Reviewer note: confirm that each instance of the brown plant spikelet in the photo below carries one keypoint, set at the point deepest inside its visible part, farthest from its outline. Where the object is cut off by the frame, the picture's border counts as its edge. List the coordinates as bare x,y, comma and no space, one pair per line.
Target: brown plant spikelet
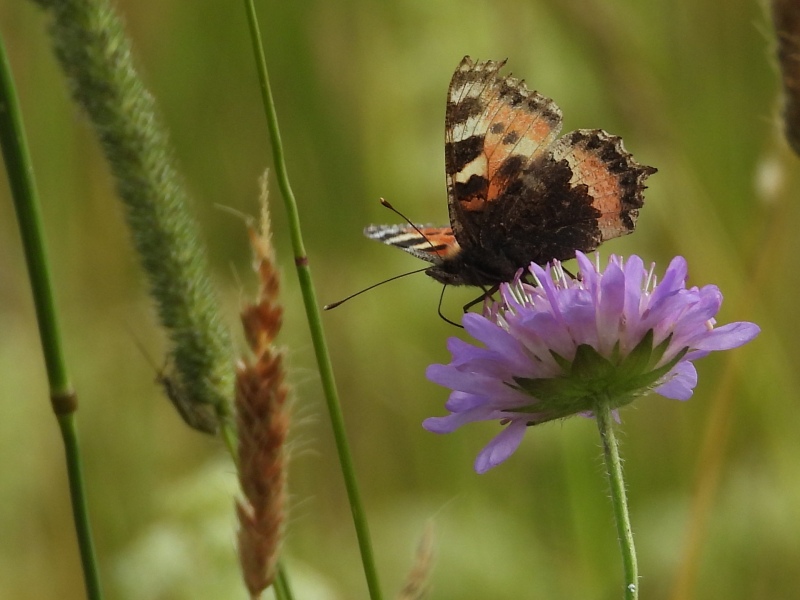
263,422
417,582
786,19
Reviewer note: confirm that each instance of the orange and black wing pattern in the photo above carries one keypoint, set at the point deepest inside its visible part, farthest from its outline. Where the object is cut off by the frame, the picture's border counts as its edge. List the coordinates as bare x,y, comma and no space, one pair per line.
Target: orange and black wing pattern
430,243
517,193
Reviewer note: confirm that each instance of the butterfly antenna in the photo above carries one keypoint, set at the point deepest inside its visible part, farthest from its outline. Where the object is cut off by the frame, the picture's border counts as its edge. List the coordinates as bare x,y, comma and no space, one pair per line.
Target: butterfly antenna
386,204
147,357
374,285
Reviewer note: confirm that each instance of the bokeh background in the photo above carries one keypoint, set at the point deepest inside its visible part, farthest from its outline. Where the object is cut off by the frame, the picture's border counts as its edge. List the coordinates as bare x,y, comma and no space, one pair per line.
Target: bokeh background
692,86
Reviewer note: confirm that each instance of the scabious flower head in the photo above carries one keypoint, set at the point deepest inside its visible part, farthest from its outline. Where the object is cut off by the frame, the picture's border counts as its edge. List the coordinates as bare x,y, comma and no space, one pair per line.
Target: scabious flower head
564,345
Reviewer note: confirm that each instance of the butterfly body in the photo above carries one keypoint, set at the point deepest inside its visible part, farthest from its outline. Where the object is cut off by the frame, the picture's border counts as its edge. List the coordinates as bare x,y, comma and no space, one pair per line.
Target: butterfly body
516,192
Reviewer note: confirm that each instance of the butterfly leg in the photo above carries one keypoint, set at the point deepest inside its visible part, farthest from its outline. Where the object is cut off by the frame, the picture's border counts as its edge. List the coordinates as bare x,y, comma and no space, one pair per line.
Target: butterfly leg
486,294
439,309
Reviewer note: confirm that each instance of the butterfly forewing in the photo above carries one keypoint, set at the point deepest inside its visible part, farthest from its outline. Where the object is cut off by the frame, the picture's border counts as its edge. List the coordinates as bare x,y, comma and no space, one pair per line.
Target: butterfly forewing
489,120
430,243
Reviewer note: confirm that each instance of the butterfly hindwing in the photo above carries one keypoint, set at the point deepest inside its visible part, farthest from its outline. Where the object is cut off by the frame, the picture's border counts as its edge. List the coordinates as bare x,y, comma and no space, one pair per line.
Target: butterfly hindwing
586,190
613,179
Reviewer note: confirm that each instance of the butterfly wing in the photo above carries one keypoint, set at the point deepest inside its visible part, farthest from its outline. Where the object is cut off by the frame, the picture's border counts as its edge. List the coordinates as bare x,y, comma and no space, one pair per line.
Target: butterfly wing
430,243
585,191
610,176
516,194
494,128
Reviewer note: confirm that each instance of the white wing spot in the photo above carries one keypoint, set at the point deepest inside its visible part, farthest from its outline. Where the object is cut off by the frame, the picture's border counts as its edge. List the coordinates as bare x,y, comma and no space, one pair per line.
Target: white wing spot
478,166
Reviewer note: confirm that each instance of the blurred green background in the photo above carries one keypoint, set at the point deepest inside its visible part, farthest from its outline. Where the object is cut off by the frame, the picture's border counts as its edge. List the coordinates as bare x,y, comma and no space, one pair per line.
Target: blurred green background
360,88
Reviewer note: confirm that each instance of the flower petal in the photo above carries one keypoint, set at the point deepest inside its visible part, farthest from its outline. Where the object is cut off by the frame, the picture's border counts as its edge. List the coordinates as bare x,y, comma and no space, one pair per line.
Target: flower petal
609,308
728,336
501,447
497,340
541,332
464,401
580,316
631,313
455,379
451,422
589,274
679,382
674,279
698,313
547,289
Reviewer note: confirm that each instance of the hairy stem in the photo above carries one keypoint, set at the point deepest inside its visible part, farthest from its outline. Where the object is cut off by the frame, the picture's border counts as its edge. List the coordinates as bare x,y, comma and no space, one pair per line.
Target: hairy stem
619,499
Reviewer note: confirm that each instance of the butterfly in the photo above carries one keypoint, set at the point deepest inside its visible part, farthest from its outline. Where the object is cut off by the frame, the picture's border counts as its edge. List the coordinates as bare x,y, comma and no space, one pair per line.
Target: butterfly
516,192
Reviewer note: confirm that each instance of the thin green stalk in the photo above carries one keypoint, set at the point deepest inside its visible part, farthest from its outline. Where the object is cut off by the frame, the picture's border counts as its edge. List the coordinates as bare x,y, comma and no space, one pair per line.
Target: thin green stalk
313,313
283,590
62,396
619,499
80,513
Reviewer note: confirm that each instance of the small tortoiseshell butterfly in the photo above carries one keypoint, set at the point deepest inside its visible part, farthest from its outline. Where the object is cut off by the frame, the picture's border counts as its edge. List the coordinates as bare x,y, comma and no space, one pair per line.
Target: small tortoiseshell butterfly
515,193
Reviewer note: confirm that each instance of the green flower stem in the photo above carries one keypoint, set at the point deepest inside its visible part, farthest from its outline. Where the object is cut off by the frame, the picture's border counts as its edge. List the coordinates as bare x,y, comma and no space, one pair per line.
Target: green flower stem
313,314
94,52
62,396
605,423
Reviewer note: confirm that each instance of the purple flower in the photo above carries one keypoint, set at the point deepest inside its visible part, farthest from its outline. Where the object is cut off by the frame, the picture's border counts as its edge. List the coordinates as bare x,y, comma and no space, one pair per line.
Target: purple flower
565,345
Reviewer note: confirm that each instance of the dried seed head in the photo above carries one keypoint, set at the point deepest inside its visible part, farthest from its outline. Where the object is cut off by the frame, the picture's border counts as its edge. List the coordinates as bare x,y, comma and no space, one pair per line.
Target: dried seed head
263,422
417,583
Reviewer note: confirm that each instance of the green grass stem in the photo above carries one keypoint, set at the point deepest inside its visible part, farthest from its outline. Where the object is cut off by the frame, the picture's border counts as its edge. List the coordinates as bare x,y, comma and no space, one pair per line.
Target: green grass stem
313,313
283,590
62,396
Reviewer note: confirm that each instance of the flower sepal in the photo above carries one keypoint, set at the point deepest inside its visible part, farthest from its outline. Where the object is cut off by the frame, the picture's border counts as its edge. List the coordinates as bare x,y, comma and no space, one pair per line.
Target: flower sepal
590,375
